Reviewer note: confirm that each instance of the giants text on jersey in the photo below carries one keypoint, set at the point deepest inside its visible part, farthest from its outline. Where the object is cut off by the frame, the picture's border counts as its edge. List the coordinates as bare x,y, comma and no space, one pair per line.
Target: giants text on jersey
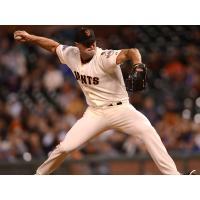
100,79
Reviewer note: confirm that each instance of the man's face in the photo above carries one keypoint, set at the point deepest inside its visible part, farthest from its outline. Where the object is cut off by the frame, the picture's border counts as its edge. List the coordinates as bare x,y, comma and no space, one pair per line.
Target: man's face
86,52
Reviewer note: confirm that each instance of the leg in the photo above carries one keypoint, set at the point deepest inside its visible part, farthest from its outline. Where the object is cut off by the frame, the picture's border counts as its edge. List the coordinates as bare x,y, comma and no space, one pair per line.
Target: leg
84,129
138,125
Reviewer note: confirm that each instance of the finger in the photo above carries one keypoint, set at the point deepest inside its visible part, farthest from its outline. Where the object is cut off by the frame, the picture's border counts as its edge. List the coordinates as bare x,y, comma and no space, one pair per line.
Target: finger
22,40
19,38
19,32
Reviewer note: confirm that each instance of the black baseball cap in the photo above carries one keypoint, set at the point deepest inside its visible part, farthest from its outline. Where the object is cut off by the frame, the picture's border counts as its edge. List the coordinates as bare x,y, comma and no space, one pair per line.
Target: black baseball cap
85,36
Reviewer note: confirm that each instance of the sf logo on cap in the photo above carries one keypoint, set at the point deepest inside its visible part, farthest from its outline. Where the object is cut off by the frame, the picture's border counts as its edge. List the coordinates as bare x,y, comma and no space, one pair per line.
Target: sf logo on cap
87,33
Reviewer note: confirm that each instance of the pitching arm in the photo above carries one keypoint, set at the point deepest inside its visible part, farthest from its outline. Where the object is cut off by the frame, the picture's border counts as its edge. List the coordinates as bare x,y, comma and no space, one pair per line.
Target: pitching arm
46,43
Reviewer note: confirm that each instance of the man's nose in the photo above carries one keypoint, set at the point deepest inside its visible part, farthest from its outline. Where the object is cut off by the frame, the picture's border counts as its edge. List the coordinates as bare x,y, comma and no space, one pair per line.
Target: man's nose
92,46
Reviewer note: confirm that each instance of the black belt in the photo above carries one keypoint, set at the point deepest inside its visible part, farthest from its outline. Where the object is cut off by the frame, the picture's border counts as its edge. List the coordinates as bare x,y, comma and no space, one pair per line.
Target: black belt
118,103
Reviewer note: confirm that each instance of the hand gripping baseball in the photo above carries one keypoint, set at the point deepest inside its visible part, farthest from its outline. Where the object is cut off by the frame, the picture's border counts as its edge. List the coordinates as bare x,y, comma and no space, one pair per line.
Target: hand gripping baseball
22,36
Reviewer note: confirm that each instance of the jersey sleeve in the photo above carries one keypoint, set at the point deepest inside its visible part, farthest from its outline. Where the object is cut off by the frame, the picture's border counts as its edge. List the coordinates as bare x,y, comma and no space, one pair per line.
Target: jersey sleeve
60,50
65,54
108,59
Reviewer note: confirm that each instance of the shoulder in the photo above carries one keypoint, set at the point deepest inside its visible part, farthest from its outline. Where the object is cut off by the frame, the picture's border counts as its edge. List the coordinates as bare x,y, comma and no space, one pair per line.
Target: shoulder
107,59
109,52
98,51
104,53
67,54
68,49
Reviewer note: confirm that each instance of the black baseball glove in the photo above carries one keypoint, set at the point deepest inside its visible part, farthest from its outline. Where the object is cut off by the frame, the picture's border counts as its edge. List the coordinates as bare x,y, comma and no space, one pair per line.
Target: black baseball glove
137,78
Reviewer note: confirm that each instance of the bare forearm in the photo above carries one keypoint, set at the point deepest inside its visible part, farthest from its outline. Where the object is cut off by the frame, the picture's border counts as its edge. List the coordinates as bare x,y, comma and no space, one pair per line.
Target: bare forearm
45,43
129,54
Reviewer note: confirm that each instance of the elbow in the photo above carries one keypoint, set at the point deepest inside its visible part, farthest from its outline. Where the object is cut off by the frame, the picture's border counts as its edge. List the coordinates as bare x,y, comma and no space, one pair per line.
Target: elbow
53,48
134,55
133,51
128,54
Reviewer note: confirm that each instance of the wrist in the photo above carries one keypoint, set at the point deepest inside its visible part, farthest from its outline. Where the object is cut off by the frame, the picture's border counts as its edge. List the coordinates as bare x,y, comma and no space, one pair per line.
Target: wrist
31,38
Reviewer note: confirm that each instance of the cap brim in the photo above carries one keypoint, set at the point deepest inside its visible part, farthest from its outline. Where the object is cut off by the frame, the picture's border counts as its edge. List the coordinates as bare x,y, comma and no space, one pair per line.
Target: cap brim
88,42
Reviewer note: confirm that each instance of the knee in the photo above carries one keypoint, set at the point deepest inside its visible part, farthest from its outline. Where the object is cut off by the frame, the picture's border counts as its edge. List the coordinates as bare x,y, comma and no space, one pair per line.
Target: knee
147,129
62,148
150,128
65,148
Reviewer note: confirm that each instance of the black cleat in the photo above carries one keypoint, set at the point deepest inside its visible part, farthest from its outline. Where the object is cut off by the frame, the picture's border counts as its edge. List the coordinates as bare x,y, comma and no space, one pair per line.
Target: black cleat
193,172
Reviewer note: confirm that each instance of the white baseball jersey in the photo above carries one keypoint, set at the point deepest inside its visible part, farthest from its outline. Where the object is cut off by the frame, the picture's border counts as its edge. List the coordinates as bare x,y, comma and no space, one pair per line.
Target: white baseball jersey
100,79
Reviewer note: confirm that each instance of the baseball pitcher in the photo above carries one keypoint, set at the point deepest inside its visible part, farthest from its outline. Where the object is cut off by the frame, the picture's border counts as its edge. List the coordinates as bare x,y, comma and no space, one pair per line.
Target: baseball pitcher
99,75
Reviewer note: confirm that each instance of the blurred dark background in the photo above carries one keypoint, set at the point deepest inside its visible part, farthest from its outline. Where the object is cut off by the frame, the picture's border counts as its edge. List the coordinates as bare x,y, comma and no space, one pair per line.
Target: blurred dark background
36,112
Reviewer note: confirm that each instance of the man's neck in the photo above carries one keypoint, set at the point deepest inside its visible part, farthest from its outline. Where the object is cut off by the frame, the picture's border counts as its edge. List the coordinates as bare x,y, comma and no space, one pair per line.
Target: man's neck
84,61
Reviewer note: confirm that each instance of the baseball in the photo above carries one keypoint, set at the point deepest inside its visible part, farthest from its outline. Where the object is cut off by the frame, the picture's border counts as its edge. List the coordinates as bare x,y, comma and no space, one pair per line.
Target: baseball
17,37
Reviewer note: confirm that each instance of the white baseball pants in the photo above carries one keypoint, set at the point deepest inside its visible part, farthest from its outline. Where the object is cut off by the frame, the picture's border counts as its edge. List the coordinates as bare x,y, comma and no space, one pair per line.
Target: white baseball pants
124,118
